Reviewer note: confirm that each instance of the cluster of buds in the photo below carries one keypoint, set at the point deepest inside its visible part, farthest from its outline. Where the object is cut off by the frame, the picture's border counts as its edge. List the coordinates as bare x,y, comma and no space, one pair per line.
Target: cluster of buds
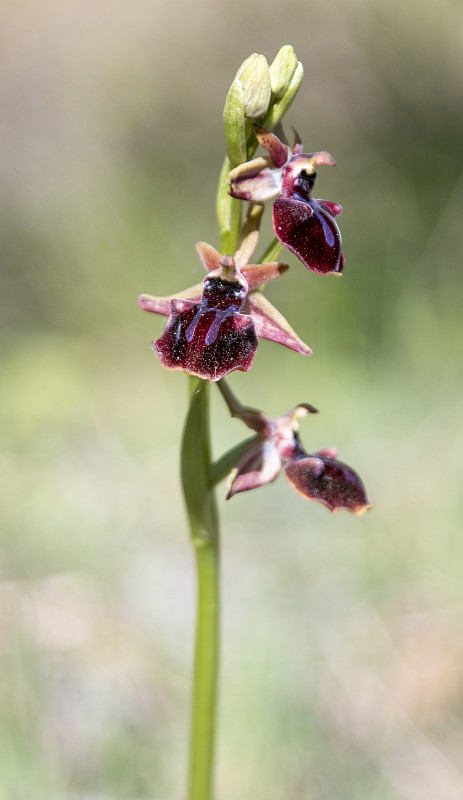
213,327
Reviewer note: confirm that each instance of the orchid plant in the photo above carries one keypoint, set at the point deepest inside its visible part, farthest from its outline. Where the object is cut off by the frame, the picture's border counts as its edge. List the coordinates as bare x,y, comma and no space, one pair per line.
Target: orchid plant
213,328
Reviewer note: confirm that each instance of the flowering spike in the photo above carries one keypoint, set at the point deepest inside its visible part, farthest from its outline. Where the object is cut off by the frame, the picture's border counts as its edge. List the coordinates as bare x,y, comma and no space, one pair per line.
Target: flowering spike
212,329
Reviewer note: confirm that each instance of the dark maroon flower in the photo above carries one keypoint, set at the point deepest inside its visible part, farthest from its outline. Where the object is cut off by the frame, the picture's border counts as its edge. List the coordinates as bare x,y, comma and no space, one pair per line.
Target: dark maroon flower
213,327
304,225
318,476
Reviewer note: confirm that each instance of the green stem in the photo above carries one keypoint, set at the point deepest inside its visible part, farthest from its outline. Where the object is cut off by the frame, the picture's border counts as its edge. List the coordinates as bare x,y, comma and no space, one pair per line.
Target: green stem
228,212
203,728
272,252
204,527
203,519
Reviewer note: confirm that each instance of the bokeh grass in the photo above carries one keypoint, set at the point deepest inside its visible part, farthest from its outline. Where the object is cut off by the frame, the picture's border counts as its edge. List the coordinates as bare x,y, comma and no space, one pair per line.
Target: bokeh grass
343,638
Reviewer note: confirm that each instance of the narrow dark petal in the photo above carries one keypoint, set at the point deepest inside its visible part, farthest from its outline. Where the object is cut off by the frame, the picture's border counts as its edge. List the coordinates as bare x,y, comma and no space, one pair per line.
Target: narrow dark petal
279,152
209,344
310,232
258,466
329,482
271,324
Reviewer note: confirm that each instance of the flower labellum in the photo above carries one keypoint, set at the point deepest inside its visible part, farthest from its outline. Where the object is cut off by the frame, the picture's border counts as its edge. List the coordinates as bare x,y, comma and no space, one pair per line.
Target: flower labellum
323,478
304,225
210,338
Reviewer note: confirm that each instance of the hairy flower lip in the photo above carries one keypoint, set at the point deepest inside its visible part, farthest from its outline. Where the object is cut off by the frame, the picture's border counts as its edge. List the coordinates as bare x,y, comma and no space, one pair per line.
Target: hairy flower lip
305,226
309,231
328,481
206,341
210,338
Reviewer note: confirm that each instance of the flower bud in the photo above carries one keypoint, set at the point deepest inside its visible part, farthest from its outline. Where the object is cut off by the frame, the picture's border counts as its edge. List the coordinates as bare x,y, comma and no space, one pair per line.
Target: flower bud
281,106
282,70
234,124
254,78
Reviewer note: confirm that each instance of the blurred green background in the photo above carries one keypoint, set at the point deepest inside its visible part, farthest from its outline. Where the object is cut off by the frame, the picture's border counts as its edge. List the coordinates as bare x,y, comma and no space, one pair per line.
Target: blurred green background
342,667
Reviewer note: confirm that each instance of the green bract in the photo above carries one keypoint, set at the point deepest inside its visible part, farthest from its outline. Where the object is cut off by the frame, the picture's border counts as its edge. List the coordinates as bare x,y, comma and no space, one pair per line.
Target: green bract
234,124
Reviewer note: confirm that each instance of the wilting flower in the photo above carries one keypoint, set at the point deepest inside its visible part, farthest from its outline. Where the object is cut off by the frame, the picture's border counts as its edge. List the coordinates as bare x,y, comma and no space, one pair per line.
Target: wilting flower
213,327
304,225
317,476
